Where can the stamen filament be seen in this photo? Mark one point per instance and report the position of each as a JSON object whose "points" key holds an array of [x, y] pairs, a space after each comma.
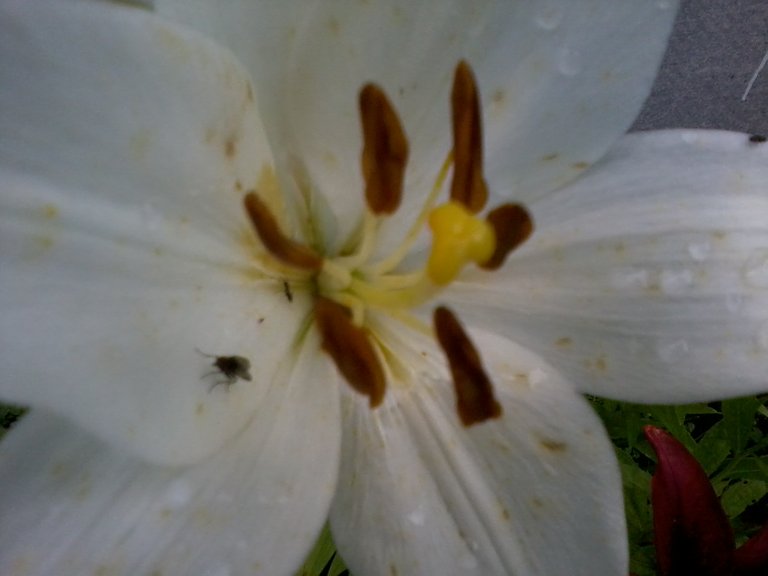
{"points": [[410, 297], [365, 244], [399, 281], [397, 256], [333, 277]]}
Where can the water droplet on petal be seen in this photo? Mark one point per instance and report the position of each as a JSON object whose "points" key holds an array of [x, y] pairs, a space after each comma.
{"points": [[700, 251], [548, 19], [630, 278], [536, 376], [755, 270], [177, 494], [672, 350], [569, 62], [675, 281], [417, 516], [690, 137]]}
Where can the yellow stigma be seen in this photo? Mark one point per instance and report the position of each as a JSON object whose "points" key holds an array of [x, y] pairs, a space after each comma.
{"points": [[459, 237]]}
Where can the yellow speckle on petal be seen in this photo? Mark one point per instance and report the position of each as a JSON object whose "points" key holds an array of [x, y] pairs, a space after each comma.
{"points": [[140, 144], [50, 211], [334, 27]]}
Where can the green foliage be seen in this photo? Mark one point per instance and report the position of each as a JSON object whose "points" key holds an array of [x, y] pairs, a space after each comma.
{"points": [[728, 438], [323, 560]]}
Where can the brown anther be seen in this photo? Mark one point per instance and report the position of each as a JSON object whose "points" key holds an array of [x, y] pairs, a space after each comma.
{"points": [[385, 151], [475, 401], [468, 186], [281, 247], [351, 350], [513, 225]]}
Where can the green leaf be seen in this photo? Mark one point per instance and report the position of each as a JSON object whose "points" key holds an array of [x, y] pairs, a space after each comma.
{"points": [[713, 448], [738, 496], [321, 555], [739, 419]]}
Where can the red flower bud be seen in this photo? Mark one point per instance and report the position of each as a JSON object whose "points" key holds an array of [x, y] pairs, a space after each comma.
{"points": [[692, 532]]}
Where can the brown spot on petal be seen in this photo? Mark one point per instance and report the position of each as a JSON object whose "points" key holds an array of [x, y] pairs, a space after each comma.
{"points": [[230, 147], [553, 446], [468, 186], [513, 225], [351, 350], [475, 400], [280, 246], [385, 151]]}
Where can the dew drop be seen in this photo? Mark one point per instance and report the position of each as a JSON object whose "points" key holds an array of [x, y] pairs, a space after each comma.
{"points": [[178, 494], [549, 19], [700, 251], [536, 376], [569, 62], [755, 270], [630, 278], [690, 137], [417, 516], [675, 281], [671, 350]]}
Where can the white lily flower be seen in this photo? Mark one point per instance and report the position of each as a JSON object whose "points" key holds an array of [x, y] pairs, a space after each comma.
{"points": [[202, 401]]}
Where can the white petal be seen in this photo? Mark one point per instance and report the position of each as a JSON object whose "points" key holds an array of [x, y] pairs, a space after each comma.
{"points": [[72, 505], [111, 100], [123, 242], [647, 280], [561, 80], [261, 33], [536, 492]]}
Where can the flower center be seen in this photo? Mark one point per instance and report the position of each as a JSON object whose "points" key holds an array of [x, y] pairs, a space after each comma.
{"points": [[347, 285]]}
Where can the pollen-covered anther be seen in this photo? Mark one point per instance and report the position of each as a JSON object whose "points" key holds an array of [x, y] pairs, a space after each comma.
{"points": [[280, 246], [512, 225], [385, 151], [475, 400], [351, 350], [468, 186]]}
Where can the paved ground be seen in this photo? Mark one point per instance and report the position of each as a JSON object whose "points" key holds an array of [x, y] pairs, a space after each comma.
{"points": [[716, 47]]}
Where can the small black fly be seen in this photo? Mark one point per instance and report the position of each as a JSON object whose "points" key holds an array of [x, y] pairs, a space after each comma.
{"points": [[232, 368]]}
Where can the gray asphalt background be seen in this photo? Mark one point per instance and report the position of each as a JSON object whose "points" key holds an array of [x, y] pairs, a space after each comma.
{"points": [[715, 48]]}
